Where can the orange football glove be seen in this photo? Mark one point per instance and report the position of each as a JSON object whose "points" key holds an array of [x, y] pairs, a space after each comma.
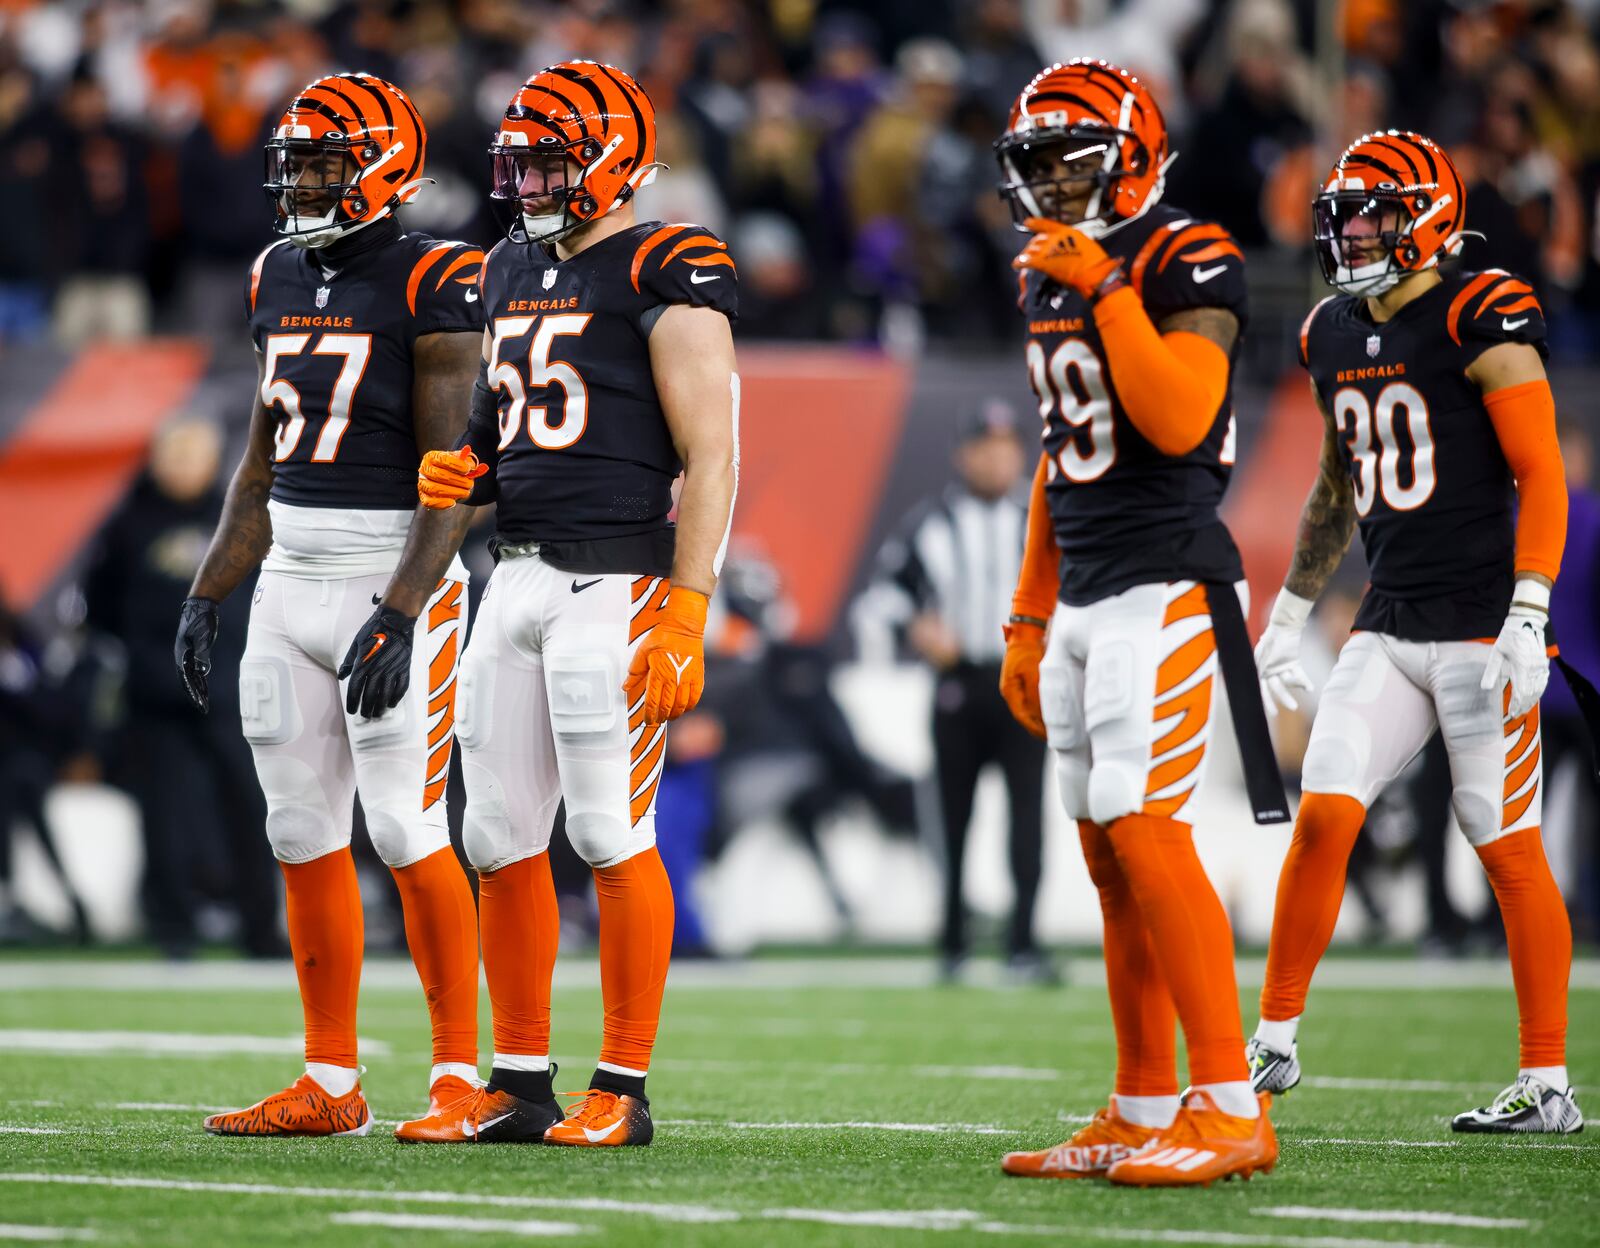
{"points": [[446, 477], [669, 667], [1019, 675], [1067, 255]]}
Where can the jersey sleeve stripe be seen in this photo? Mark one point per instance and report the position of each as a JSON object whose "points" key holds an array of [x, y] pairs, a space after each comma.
{"points": [[255, 270], [1193, 234], [649, 245], [470, 256], [707, 261], [1459, 304], [1526, 303], [1214, 252], [425, 262], [1305, 330], [1142, 260], [1511, 286], [699, 240]]}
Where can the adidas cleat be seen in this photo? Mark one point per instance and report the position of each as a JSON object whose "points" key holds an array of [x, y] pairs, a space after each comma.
{"points": [[1529, 1105], [1270, 1070], [1202, 1145], [604, 1119], [303, 1108], [1091, 1151]]}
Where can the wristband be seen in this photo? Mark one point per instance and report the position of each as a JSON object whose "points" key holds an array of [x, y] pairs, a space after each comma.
{"points": [[1290, 610], [1531, 594], [1028, 619]]}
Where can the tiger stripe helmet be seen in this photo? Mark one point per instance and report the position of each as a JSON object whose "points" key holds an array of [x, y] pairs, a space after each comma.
{"points": [[593, 116], [1393, 204], [347, 151], [1072, 112]]}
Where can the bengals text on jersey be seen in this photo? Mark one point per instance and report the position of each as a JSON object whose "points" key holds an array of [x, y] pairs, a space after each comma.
{"points": [[1126, 514], [1434, 497]]}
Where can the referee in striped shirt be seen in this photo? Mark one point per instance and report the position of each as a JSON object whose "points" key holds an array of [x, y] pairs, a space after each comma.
{"points": [[950, 574]]}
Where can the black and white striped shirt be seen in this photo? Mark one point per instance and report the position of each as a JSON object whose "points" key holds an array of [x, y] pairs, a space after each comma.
{"points": [[959, 558]]}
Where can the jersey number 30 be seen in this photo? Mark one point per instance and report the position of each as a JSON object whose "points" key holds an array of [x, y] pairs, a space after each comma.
{"points": [[506, 376], [1375, 450]]}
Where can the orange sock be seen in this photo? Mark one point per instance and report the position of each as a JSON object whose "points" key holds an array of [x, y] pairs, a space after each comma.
{"points": [[1539, 939], [521, 926], [442, 932], [1141, 1007], [635, 946], [326, 935], [1310, 891], [1189, 933]]}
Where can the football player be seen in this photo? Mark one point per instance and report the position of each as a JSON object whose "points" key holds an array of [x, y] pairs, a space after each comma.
{"points": [[1434, 404], [366, 337], [1134, 313], [607, 369]]}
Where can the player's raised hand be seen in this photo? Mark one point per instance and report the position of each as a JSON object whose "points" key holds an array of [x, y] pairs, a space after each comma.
{"points": [[1520, 656], [378, 664], [669, 667], [1278, 653], [1019, 675], [1067, 255], [197, 631], [445, 477]]}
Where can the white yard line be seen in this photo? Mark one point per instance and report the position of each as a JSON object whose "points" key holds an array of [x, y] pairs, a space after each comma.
{"points": [[431, 1222], [1421, 1217], [1341, 1083], [43, 1234], [932, 1128], [63, 1041], [7, 1130], [1237, 1239]]}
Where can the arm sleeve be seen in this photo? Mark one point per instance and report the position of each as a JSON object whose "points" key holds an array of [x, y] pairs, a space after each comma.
{"points": [[483, 436], [442, 290], [1524, 419], [1039, 582], [1171, 385], [684, 264]]}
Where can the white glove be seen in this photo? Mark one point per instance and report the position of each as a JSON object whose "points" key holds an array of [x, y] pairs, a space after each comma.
{"points": [[1519, 653], [1278, 653]]}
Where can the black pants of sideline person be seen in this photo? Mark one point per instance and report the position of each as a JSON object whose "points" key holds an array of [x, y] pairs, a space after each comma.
{"points": [[972, 728]]}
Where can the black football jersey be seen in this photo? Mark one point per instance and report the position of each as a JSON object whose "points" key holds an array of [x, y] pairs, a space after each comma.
{"points": [[581, 451], [337, 346], [1125, 514], [1435, 499]]}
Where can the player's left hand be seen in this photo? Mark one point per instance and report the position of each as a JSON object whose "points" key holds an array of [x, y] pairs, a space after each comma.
{"points": [[1519, 656], [378, 664], [1067, 255], [669, 667]]}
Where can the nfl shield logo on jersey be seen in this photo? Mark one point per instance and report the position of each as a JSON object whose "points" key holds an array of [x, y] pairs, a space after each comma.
{"points": [[322, 296], [549, 278], [1373, 343]]}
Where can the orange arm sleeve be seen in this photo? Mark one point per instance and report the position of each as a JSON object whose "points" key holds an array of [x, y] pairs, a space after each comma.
{"points": [[1170, 384], [1040, 579], [1524, 419]]}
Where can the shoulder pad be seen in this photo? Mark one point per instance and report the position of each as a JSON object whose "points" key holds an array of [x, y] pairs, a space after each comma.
{"points": [[442, 288], [1493, 307], [1305, 329], [686, 264], [1189, 264], [253, 285]]}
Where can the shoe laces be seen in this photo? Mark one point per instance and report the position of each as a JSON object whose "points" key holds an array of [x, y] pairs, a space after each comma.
{"points": [[1525, 1093], [597, 1103]]}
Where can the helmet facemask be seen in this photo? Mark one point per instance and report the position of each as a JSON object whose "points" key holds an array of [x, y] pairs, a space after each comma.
{"points": [[315, 187], [1363, 240], [544, 184]]}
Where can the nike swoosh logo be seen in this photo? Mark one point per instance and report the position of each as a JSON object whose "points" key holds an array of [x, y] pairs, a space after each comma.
{"points": [[377, 645], [579, 587], [696, 279], [472, 296], [594, 1137], [1205, 275], [468, 1129], [1509, 325]]}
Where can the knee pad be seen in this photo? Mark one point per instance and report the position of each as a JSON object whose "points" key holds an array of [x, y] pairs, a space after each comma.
{"points": [[267, 709], [486, 834], [402, 832], [1331, 765], [301, 825], [603, 840], [1116, 788], [1478, 815], [584, 692]]}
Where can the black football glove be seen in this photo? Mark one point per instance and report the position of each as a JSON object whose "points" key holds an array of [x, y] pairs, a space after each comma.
{"points": [[378, 663], [197, 630]]}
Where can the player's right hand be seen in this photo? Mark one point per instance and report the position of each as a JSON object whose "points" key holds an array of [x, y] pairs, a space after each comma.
{"points": [[1278, 653], [197, 630], [1019, 676], [445, 477]]}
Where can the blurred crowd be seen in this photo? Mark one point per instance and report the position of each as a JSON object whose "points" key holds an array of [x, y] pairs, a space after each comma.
{"points": [[842, 146]]}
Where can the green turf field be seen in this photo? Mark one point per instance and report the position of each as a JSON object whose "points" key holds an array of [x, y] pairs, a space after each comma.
{"points": [[797, 1102]]}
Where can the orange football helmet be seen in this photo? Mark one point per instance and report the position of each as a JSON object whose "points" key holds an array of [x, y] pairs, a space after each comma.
{"points": [[346, 152], [1393, 204], [592, 115], [1086, 127]]}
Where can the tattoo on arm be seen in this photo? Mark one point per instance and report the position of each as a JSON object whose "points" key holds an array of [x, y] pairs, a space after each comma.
{"points": [[1327, 520], [244, 533], [1217, 325]]}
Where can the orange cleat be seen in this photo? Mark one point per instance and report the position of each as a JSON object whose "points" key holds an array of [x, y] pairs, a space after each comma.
{"points": [[1088, 1154], [482, 1116], [603, 1120], [1202, 1145], [449, 1101], [303, 1108]]}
